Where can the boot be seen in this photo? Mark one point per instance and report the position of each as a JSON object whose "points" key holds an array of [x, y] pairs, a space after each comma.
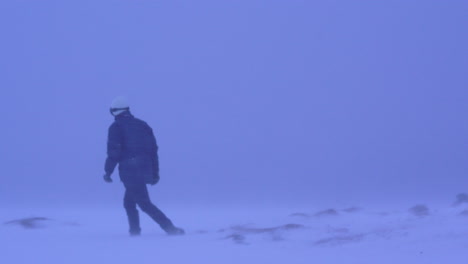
{"points": [[175, 231]]}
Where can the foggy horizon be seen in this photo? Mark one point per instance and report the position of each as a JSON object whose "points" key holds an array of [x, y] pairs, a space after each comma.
{"points": [[251, 102]]}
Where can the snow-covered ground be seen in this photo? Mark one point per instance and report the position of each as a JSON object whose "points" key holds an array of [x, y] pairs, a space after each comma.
{"points": [[238, 235]]}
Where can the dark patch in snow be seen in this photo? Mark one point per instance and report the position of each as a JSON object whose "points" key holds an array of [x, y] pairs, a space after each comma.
{"points": [[388, 232], [419, 210], [461, 198], [29, 223], [300, 215], [328, 212], [352, 210], [277, 237], [239, 233], [237, 238], [464, 213], [253, 230], [340, 240]]}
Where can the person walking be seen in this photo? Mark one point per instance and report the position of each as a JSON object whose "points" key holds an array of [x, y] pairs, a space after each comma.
{"points": [[132, 145]]}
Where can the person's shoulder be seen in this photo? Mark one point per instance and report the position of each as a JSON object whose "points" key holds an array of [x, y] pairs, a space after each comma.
{"points": [[114, 125], [141, 122]]}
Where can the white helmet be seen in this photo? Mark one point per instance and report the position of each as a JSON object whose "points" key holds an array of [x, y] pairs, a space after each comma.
{"points": [[119, 105]]}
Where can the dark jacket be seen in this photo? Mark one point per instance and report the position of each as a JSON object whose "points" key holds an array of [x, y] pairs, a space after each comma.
{"points": [[132, 145]]}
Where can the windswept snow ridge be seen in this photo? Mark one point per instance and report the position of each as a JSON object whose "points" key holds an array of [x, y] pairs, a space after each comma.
{"points": [[409, 235]]}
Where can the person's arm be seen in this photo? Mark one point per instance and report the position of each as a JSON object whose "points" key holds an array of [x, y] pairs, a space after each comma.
{"points": [[114, 148]]}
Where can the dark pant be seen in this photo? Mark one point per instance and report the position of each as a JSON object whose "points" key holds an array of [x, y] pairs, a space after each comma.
{"points": [[137, 194]]}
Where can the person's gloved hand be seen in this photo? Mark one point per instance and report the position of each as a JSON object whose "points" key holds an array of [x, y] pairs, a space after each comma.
{"points": [[107, 178], [155, 179]]}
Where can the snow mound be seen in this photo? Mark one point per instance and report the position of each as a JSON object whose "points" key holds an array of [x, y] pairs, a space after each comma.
{"points": [[419, 210]]}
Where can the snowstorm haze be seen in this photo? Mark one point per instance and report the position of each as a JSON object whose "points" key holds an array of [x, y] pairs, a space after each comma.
{"points": [[299, 102]]}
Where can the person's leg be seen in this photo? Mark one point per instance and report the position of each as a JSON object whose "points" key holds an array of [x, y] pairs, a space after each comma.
{"points": [[132, 213], [145, 204]]}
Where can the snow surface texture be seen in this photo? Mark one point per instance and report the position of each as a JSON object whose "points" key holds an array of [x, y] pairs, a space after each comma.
{"points": [[416, 234]]}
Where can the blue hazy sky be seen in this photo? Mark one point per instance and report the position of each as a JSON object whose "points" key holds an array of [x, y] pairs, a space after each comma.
{"points": [[251, 101]]}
